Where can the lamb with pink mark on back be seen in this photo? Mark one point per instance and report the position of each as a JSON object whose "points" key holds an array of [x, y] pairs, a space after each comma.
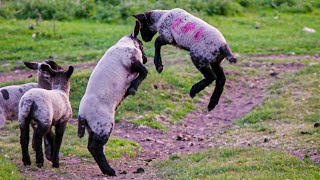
{"points": [[206, 45]]}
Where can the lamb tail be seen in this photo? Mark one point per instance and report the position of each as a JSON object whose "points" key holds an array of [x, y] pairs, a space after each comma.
{"points": [[228, 53], [82, 124], [25, 108]]}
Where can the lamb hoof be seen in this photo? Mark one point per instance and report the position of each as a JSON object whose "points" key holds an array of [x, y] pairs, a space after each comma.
{"points": [[110, 172], [211, 107], [193, 91], [159, 69], [132, 91], [55, 165], [39, 165], [233, 60], [26, 162], [48, 157]]}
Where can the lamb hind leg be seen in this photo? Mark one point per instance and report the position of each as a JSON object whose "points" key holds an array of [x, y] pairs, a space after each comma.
{"points": [[209, 77], [220, 81], [95, 146], [48, 144], [157, 55], [39, 132], [24, 142]]}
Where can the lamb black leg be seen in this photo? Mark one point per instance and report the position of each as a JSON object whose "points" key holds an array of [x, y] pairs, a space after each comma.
{"points": [[220, 81], [24, 142], [95, 146], [209, 77], [48, 144], [39, 132], [139, 68], [157, 56], [59, 129]]}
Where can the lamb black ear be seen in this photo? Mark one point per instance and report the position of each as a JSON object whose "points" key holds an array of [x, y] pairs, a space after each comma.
{"points": [[139, 17], [53, 65], [136, 30], [70, 71], [32, 65], [46, 68]]}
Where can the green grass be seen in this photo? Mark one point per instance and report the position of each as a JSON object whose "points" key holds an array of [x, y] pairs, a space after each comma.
{"points": [[237, 163], [8, 169], [83, 41]]}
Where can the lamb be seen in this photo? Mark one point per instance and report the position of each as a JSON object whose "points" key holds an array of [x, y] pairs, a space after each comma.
{"points": [[205, 43], [11, 95], [46, 108], [118, 74]]}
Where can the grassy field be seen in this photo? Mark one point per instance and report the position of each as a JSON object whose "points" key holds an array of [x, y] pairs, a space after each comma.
{"points": [[292, 104], [83, 41], [237, 163]]}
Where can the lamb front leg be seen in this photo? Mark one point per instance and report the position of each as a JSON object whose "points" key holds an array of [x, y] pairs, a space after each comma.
{"points": [[157, 56], [139, 68]]}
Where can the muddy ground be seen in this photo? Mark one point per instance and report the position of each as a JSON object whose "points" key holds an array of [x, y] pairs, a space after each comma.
{"points": [[195, 132]]}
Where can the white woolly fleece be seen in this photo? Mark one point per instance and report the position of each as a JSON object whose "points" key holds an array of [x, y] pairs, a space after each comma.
{"points": [[108, 84]]}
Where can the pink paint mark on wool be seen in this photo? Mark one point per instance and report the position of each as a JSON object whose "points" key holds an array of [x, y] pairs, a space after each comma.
{"points": [[198, 34], [188, 27], [175, 24]]}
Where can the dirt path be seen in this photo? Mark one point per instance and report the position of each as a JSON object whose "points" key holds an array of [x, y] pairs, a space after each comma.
{"points": [[24, 74], [195, 132]]}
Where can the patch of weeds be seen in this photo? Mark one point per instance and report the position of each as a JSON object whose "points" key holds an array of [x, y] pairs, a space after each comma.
{"points": [[8, 169], [246, 163], [174, 156], [117, 147], [313, 117], [148, 121]]}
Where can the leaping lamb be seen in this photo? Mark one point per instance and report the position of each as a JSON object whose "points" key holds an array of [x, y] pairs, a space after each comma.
{"points": [[206, 45], [118, 74]]}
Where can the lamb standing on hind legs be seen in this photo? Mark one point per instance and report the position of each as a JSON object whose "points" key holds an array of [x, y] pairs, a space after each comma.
{"points": [[46, 108], [205, 43], [118, 74]]}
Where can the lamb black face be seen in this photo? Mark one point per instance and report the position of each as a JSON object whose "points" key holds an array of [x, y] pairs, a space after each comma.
{"points": [[146, 33]]}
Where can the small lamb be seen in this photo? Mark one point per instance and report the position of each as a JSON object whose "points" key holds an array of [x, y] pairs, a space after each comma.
{"points": [[46, 108], [11, 95], [118, 74], [205, 43]]}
